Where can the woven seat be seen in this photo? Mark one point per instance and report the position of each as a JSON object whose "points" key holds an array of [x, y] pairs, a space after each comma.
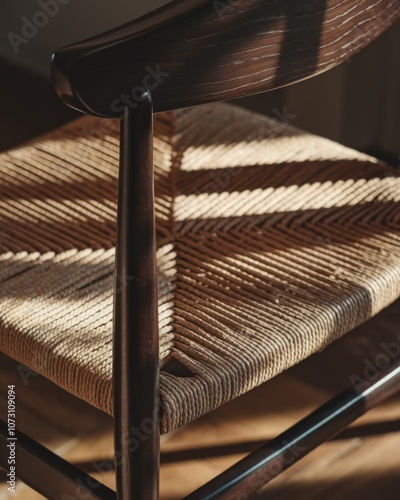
{"points": [[271, 244]]}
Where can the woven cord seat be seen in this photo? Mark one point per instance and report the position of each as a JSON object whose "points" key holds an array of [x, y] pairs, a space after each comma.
{"points": [[272, 243]]}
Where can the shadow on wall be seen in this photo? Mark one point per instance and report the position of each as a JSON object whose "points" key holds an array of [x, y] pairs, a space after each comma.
{"points": [[356, 103], [30, 31]]}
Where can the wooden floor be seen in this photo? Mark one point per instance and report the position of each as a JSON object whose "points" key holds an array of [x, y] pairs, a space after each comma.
{"points": [[361, 463]]}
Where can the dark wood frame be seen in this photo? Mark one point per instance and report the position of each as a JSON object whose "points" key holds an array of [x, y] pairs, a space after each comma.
{"points": [[95, 76], [196, 51]]}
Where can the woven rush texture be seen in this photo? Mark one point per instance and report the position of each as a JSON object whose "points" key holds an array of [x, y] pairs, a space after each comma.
{"points": [[271, 244]]}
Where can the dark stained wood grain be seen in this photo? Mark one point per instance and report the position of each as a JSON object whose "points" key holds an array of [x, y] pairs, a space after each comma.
{"points": [[136, 337], [195, 52]]}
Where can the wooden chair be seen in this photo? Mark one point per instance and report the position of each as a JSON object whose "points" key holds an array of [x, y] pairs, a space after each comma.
{"points": [[249, 246]]}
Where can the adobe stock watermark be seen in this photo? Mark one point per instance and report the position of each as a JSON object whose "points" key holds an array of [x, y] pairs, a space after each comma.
{"points": [[152, 79], [104, 129], [120, 282], [265, 474], [224, 7], [26, 373], [220, 179], [367, 33], [30, 27], [133, 439], [373, 369]]}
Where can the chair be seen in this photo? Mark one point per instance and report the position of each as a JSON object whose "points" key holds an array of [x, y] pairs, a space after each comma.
{"points": [[249, 246]]}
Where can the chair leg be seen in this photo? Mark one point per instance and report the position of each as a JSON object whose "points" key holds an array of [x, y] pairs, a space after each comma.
{"points": [[258, 468], [45, 472], [136, 344]]}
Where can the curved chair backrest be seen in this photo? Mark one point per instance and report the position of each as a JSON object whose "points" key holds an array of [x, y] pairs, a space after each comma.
{"points": [[196, 51]]}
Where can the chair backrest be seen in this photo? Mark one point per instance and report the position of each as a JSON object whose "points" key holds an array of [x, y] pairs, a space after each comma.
{"points": [[196, 51]]}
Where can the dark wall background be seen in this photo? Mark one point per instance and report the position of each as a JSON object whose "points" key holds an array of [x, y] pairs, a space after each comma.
{"points": [[357, 103]]}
